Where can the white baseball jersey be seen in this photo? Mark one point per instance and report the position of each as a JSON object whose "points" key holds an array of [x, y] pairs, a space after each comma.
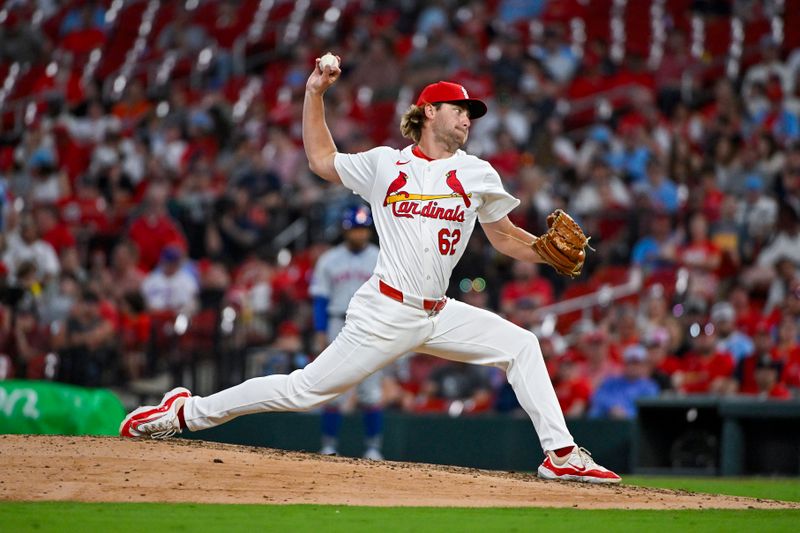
{"points": [[424, 210], [339, 273]]}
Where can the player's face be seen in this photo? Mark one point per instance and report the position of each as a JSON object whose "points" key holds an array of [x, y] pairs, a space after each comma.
{"points": [[357, 238], [451, 125]]}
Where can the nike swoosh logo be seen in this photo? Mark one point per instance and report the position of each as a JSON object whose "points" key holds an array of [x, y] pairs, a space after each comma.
{"points": [[402, 163]]}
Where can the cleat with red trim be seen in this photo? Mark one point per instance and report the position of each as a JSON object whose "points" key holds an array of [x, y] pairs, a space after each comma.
{"points": [[156, 421], [577, 466]]}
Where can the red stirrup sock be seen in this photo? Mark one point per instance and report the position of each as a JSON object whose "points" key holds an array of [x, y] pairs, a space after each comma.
{"points": [[180, 418], [561, 452]]}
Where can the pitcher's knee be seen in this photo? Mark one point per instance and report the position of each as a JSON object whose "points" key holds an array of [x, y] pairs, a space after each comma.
{"points": [[529, 346], [299, 395], [308, 401], [306, 396]]}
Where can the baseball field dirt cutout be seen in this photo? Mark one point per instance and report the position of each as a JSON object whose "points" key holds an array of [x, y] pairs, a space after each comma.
{"points": [[110, 469]]}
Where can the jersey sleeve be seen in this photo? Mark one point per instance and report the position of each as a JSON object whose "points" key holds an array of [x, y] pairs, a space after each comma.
{"points": [[320, 280], [495, 201], [358, 171]]}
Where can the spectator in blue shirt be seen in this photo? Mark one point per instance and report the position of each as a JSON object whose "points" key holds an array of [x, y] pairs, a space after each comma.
{"points": [[774, 116], [631, 157], [729, 338], [657, 248], [616, 396], [658, 189]]}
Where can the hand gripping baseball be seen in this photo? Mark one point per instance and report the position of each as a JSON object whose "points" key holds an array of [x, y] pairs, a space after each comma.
{"points": [[326, 72], [564, 245]]}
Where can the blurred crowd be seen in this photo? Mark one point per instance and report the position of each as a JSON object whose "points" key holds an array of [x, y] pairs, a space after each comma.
{"points": [[155, 224]]}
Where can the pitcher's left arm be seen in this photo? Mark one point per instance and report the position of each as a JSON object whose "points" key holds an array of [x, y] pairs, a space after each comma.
{"points": [[511, 240]]}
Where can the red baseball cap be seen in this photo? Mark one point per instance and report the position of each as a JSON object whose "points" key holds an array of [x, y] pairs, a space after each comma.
{"points": [[446, 91]]}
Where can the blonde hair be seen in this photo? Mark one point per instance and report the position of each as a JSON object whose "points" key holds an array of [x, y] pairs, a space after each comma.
{"points": [[412, 122]]}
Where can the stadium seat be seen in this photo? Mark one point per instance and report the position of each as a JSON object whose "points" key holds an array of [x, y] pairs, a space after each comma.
{"points": [[121, 39], [638, 27], [573, 290], [791, 21]]}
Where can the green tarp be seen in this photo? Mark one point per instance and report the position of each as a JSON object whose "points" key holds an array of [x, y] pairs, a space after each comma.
{"points": [[46, 408]]}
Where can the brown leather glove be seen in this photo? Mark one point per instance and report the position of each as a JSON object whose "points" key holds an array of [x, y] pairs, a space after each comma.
{"points": [[563, 246]]}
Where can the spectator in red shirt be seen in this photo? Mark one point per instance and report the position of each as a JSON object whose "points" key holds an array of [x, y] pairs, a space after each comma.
{"points": [[787, 351], [134, 334], [701, 257], [748, 314], [705, 370], [710, 197], [86, 211], [507, 158], [53, 230], [590, 81], [572, 389], [764, 347], [767, 379], [787, 344], [526, 284], [791, 372], [154, 229]]}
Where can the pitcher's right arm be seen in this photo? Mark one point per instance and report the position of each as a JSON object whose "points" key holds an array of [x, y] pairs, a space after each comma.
{"points": [[317, 139]]}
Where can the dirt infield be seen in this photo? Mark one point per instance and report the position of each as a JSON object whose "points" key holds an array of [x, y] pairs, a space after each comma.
{"points": [[112, 469]]}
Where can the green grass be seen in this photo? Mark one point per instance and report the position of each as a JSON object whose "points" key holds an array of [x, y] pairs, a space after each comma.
{"points": [[151, 517], [786, 489], [66, 517], [81, 517]]}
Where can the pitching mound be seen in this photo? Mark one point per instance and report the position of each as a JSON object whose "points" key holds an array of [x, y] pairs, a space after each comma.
{"points": [[120, 470]]}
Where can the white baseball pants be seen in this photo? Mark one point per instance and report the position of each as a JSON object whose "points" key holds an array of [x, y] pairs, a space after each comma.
{"points": [[370, 391], [378, 330]]}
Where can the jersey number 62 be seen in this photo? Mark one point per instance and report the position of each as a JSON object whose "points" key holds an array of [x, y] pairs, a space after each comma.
{"points": [[448, 241]]}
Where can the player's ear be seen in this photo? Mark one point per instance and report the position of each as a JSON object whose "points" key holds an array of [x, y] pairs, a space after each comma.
{"points": [[430, 110]]}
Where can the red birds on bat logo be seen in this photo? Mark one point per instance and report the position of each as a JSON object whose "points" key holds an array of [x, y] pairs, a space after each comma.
{"points": [[410, 205], [456, 187]]}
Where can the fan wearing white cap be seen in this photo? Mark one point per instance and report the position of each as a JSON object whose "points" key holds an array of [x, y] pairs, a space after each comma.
{"points": [[729, 338], [426, 199]]}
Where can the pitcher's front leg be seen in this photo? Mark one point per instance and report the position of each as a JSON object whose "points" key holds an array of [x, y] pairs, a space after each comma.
{"points": [[348, 360]]}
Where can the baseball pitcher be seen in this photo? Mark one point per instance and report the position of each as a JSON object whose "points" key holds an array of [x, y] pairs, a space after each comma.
{"points": [[426, 199]]}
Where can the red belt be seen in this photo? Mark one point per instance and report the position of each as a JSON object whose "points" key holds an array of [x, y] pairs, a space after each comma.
{"points": [[432, 306]]}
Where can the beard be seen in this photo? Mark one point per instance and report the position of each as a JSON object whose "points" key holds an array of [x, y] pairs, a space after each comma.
{"points": [[453, 139]]}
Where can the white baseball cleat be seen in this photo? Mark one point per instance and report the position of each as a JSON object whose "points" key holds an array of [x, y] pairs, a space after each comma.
{"points": [[577, 466], [156, 421], [373, 454], [328, 450]]}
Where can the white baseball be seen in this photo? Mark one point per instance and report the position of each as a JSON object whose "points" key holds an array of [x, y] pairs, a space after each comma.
{"points": [[328, 60]]}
